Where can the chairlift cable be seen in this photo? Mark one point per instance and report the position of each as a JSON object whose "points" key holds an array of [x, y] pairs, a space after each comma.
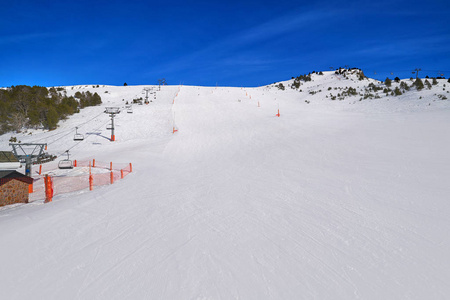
{"points": [[73, 129], [76, 144], [69, 131]]}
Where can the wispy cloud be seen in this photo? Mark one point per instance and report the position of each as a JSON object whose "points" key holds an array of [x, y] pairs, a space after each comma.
{"points": [[219, 51], [407, 46]]}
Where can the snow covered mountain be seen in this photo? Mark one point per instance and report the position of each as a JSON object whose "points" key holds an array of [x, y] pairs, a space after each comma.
{"points": [[334, 199]]}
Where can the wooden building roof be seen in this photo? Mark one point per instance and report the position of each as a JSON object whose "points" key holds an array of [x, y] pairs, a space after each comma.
{"points": [[8, 175]]}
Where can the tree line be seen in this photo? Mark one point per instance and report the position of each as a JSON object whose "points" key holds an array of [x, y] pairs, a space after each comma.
{"points": [[23, 106]]}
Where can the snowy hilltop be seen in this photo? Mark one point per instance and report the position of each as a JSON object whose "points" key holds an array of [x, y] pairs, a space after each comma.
{"points": [[329, 185]]}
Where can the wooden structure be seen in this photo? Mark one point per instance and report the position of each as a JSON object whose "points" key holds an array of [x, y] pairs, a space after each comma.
{"points": [[14, 187]]}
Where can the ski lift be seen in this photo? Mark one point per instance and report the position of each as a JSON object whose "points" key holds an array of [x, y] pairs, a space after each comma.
{"points": [[78, 136], [65, 163]]}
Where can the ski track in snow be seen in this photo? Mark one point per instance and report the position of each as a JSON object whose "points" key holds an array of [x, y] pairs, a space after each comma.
{"points": [[333, 200]]}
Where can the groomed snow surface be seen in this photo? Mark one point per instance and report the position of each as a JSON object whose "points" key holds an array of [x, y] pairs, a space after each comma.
{"points": [[331, 200]]}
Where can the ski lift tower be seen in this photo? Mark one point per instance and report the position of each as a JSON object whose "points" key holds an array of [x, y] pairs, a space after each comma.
{"points": [[146, 95], [28, 153], [112, 111], [161, 82]]}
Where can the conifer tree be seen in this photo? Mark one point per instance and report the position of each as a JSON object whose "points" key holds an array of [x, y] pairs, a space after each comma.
{"points": [[418, 84], [387, 82]]}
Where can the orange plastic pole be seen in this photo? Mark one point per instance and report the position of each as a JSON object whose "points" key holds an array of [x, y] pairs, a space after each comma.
{"points": [[131, 168], [91, 183], [93, 163], [48, 189], [75, 163], [30, 188], [113, 138], [174, 130], [110, 166], [112, 178], [121, 174], [40, 169], [278, 114]]}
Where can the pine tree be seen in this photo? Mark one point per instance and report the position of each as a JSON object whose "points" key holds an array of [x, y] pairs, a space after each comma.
{"points": [[51, 118], [387, 82], [418, 84]]}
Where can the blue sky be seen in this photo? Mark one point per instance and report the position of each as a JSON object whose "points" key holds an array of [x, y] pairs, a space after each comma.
{"points": [[229, 43]]}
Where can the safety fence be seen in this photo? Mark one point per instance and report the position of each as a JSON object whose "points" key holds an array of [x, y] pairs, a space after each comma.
{"points": [[85, 175]]}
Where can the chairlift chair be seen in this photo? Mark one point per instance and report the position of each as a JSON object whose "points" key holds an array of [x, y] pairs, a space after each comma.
{"points": [[78, 136], [65, 163]]}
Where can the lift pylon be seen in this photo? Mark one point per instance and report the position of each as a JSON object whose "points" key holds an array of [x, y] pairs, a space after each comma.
{"points": [[28, 153], [146, 95], [112, 111]]}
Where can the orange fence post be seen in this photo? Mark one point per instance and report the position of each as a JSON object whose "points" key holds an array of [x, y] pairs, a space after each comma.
{"points": [[131, 168], [50, 187], [93, 163], [75, 163], [91, 183], [121, 174], [40, 169], [48, 182], [112, 177]]}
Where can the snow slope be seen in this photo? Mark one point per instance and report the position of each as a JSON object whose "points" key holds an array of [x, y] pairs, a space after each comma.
{"points": [[332, 200]]}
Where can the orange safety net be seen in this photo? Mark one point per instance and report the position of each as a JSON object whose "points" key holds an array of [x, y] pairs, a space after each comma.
{"points": [[68, 184]]}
